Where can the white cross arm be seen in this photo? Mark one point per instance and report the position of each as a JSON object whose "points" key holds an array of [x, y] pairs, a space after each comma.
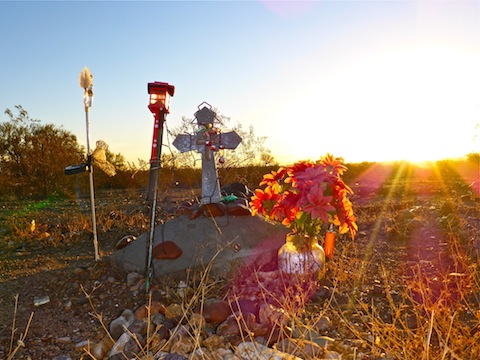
{"points": [[187, 142]]}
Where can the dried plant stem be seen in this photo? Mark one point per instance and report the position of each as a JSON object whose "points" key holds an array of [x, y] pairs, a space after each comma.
{"points": [[429, 337], [21, 341]]}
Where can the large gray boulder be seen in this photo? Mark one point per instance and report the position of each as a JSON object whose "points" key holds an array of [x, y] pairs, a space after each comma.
{"points": [[228, 242]]}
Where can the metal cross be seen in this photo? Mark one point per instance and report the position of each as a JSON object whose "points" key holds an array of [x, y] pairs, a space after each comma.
{"points": [[206, 141]]}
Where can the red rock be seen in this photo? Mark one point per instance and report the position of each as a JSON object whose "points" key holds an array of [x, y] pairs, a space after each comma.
{"points": [[229, 329], [238, 209], [216, 311], [156, 307], [213, 210], [183, 210], [167, 250]]}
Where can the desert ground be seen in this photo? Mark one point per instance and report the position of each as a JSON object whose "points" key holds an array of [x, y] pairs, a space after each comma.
{"points": [[407, 287]]}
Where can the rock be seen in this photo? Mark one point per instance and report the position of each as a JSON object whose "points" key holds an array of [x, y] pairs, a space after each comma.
{"points": [[78, 271], [184, 209], [244, 306], [68, 305], [301, 348], [167, 250], [119, 346], [215, 311], [120, 324], [238, 210], [62, 357], [82, 345], [167, 356], [323, 293], [200, 240], [64, 340], [229, 329], [323, 324], [250, 350], [41, 300], [125, 241], [214, 342], [269, 314], [197, 322], [173, 311], [332, 355], [138, 327], [101, 349], [183, 345], [156, 307], [133, 278], [213, 209]]}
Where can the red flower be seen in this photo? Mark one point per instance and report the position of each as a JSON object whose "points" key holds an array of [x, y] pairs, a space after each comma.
{"points": [[306, 195]]}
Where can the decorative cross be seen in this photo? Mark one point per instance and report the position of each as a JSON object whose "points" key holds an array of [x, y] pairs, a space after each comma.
{"points": [[206, 141]]}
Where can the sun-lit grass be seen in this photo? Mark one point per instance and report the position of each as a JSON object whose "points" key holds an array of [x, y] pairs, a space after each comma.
{"points": [[408, 287]]}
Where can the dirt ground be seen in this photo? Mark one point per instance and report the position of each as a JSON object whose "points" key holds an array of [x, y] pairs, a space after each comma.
{"points": [[402, 225]]}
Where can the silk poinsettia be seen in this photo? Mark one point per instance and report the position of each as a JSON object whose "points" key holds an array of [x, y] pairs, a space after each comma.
{"points": [[307, 195]]}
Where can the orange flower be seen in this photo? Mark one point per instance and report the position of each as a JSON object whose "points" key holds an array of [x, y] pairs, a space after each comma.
{"points": [[307, 195]]}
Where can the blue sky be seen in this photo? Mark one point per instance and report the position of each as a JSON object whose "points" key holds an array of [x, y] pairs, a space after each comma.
{"points": [[365, 80]]}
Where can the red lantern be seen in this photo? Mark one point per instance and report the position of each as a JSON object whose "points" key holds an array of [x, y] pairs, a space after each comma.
{"points": [[160, 94]]}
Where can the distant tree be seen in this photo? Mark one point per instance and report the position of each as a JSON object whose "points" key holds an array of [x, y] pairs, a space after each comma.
{"points": [[33, 156], [251, 151]]}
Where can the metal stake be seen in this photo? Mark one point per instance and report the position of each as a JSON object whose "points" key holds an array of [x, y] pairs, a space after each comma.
{"points": [[154, 173]]}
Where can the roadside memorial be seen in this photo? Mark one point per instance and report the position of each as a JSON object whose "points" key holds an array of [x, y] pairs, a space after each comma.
{"points": [[208, 140]]}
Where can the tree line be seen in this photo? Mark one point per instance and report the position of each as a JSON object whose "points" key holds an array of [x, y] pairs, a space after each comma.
{"points": [[33, 157]]}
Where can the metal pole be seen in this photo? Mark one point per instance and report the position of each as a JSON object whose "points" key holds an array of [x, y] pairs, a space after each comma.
{"points": [[92, 190], [154, 173]]}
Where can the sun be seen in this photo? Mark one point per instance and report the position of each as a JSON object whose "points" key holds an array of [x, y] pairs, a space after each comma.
{"points": [[415, 103]]}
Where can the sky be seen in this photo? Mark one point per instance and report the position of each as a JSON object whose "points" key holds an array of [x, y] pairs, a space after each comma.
{"points": [[363, 80]]}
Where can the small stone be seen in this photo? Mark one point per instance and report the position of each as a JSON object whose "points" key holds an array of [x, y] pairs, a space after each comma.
{"points": [[332, 355], [42, 300], [169, 356], [215, 311], [78, 271], [269, 314], [244, 306], [197, 322], [323, 293], [323, 324], [250, 350], [214, 342], [82, 345], [183, 209], [138, 327], [229, 329], [133, 278], [100, 349], [120, 324], [144, 311], [172, 311], [119, 346], [183, 345], [125, 241], [64, 340]]}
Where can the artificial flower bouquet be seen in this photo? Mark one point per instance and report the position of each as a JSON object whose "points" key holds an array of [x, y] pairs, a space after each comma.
{"points": [[306, 196]]}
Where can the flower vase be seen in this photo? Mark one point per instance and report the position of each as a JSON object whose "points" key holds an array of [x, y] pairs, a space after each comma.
{"points": [[301, 255]]}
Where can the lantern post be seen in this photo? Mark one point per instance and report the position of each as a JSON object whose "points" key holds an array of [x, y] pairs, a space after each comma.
{"points": [[159, 105]]}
